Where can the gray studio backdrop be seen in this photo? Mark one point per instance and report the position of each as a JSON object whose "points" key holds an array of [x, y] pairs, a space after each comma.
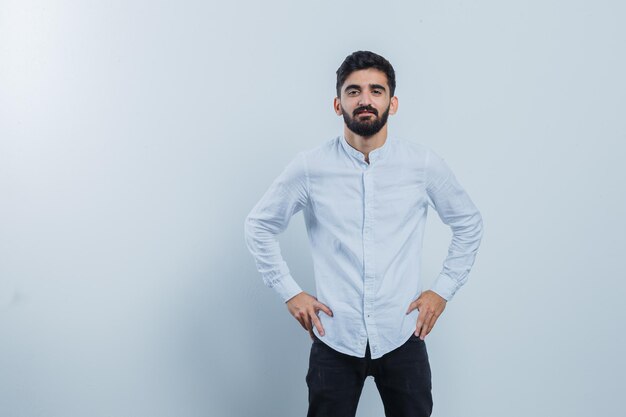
{"points": [[135, 136]]}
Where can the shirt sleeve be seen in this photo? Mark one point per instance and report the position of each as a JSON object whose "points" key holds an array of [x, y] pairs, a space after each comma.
{"points": [[456, 209], [286, 196]]}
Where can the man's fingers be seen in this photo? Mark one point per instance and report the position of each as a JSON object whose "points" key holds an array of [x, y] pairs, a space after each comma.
{"points": [[324, 308], [303, 324], [422, 323], [304, 320], [430, 306], [433, 320], [411, 308], [428, 327], [318, 324], [309, 324], [414, 305], [425, 328], [301, 320], [429, 323], [305, 309]]}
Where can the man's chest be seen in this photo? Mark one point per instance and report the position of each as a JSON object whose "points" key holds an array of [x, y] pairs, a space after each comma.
{"points": [[351, 196]]}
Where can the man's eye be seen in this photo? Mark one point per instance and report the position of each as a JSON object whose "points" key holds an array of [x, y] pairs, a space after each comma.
{"points": [[377, 92], [352, 92]]}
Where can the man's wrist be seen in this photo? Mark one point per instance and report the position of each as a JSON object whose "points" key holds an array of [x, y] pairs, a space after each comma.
{"points": [[294, 296], [445, 287], [287, 287]]}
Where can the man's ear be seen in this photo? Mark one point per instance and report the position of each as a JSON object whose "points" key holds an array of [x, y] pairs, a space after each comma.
{"points": [[337, 106], [393, 105]]}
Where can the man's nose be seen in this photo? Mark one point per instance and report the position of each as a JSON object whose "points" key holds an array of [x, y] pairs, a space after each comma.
{"points": [[365, 98]]}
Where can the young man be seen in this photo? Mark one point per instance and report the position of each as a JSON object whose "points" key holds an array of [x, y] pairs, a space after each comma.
{"points": [[365, 197]]}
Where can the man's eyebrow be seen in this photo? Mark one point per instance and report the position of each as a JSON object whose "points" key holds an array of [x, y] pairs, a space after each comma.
{"points": [[377, 86], [358, 87]]}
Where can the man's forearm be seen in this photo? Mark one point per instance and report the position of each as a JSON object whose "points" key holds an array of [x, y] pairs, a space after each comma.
{"points": [[264, 247]]}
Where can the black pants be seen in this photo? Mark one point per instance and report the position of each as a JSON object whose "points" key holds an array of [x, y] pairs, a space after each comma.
{"points": [[402, 376]]}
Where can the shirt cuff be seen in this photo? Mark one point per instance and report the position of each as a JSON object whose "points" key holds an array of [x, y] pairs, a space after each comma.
{"points": [[445, 287], [286, 287]]}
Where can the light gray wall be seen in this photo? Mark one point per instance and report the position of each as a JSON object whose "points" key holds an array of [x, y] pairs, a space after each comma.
{"points": [[135, 136]]}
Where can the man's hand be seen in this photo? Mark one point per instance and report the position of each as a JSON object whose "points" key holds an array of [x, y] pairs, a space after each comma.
{"points": [[304, 308], [430, 306]]}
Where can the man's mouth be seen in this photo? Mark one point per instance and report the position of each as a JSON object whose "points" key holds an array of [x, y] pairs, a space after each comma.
{"points": [[364, 112]]}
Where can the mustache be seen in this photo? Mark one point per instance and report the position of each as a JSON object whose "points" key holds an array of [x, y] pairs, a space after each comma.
{"points": [[365, 108]]}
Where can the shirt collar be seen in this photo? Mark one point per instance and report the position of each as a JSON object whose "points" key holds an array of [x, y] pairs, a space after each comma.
{"points": [[374, 155]]}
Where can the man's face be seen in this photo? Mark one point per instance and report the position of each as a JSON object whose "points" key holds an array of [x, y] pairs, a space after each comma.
{"points": [[365, 102]]}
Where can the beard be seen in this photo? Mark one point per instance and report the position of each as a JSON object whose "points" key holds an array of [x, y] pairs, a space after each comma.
{"points": [[367, 127]]}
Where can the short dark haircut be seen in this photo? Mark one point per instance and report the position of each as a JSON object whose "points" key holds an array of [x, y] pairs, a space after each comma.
{"points": [[360, 60]]}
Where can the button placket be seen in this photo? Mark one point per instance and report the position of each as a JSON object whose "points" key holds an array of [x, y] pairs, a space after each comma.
{"points": [[369, 261]]}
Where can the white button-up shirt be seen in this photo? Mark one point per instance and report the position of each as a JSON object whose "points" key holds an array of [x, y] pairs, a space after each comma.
{"points": [[365, 224]]}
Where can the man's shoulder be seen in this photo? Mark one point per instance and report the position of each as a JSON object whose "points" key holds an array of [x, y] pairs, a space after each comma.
{"points": [[320, 151], [326, 146], [411, 148]]}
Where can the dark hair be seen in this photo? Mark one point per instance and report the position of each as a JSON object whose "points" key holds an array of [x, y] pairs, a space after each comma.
{"points": [[360, 60]]}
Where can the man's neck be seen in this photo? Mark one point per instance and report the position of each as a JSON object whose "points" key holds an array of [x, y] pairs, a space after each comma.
{"points": [[364, 144]]}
